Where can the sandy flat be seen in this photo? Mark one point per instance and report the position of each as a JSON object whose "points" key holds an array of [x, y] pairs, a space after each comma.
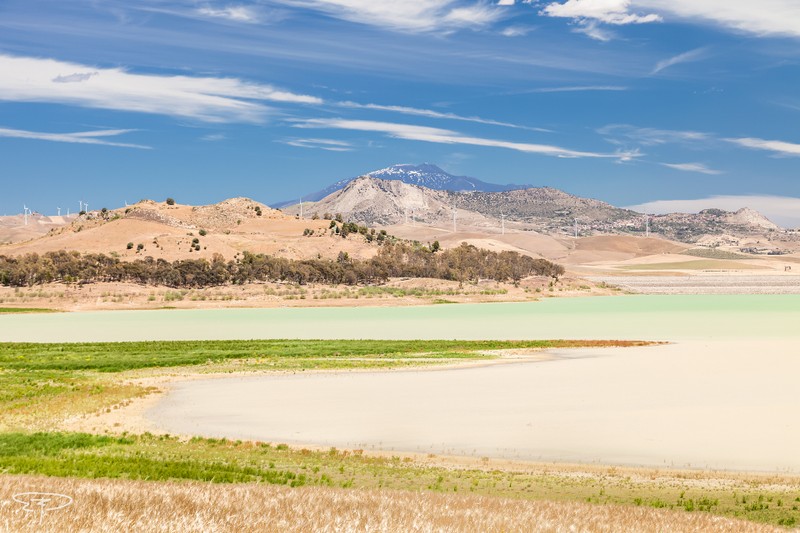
{"points": [[697, 404]]}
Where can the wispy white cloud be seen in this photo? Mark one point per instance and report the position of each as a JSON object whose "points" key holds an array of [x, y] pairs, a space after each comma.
{"points": [[208, 99], [778, 147], [593, 29], [686, 57], [81, 137], [331, 145], [692, 167], [517, 31], [590, 16], [619, 133], [434, 114], [233, 13], [578, 88], [230, 14], [505, 2], [442, 136], [213, 137], [615, 12], [413, 16], [783, 210], [765, 17]]}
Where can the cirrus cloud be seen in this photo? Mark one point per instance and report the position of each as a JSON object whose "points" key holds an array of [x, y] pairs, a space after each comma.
{"points": [[442, 136], [207, 99], [692, 167], [81, 137], [782, 148], [411, 16]]}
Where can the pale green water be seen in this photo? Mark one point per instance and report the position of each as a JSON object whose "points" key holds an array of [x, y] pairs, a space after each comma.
{"points": [[622, 317]]}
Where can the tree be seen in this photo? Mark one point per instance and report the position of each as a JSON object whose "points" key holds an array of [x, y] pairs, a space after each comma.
{"points": [[170, 201]]}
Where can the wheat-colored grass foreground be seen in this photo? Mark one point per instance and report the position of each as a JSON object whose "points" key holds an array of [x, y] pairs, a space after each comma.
{"points": [[122, 505]]}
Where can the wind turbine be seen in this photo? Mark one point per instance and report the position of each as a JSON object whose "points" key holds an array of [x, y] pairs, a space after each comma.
{"points": [[503, 222], [59, 211], [25, 213], [301, 207], [647, 226], [575, 241], [454, 217]]}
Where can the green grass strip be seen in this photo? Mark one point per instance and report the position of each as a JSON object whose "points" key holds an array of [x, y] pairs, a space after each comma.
{"points": [[121, 356], [10, 310]]}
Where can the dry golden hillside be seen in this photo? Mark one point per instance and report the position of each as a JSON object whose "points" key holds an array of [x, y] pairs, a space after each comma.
{"points": [[168, 232]]}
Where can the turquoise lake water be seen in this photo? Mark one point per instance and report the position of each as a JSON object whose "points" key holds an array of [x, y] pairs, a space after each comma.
{"points": [[647, 317]]}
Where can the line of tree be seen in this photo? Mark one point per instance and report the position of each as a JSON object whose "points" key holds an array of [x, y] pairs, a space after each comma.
{"points": [[464, 263]]}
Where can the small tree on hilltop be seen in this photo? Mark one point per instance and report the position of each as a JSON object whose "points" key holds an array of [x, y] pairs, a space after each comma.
{"points": [[170, 201]]}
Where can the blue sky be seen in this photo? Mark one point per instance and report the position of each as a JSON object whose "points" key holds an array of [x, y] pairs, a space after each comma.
{"points": [[628, 101]]}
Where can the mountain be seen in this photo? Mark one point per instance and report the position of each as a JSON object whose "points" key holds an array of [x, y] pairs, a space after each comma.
{"points": [[374, 200], [386, 202], [542, 209], [433, 177], [425, 175]]}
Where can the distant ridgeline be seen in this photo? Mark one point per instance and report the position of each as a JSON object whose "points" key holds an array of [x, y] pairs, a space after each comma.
{"points": [[464, 263]]}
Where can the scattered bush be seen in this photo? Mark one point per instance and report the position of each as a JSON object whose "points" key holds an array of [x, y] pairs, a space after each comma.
{"points": [[170, 201]]}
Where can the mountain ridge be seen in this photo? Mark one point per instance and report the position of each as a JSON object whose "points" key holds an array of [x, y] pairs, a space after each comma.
{"points": [[542, 209], [426, 175]]}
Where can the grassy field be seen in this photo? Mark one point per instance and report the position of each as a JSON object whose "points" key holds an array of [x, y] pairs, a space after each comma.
{"points": [[699, 264], [41, 385], [277, 354], [9, 310], [165, 458], [714, 253]]}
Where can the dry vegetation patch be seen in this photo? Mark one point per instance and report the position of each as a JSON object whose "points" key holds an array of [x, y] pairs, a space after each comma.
{"points": [[123, 505]]}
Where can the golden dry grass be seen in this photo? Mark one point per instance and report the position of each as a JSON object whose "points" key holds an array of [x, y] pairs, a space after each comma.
{"points": [[122, 505]]}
